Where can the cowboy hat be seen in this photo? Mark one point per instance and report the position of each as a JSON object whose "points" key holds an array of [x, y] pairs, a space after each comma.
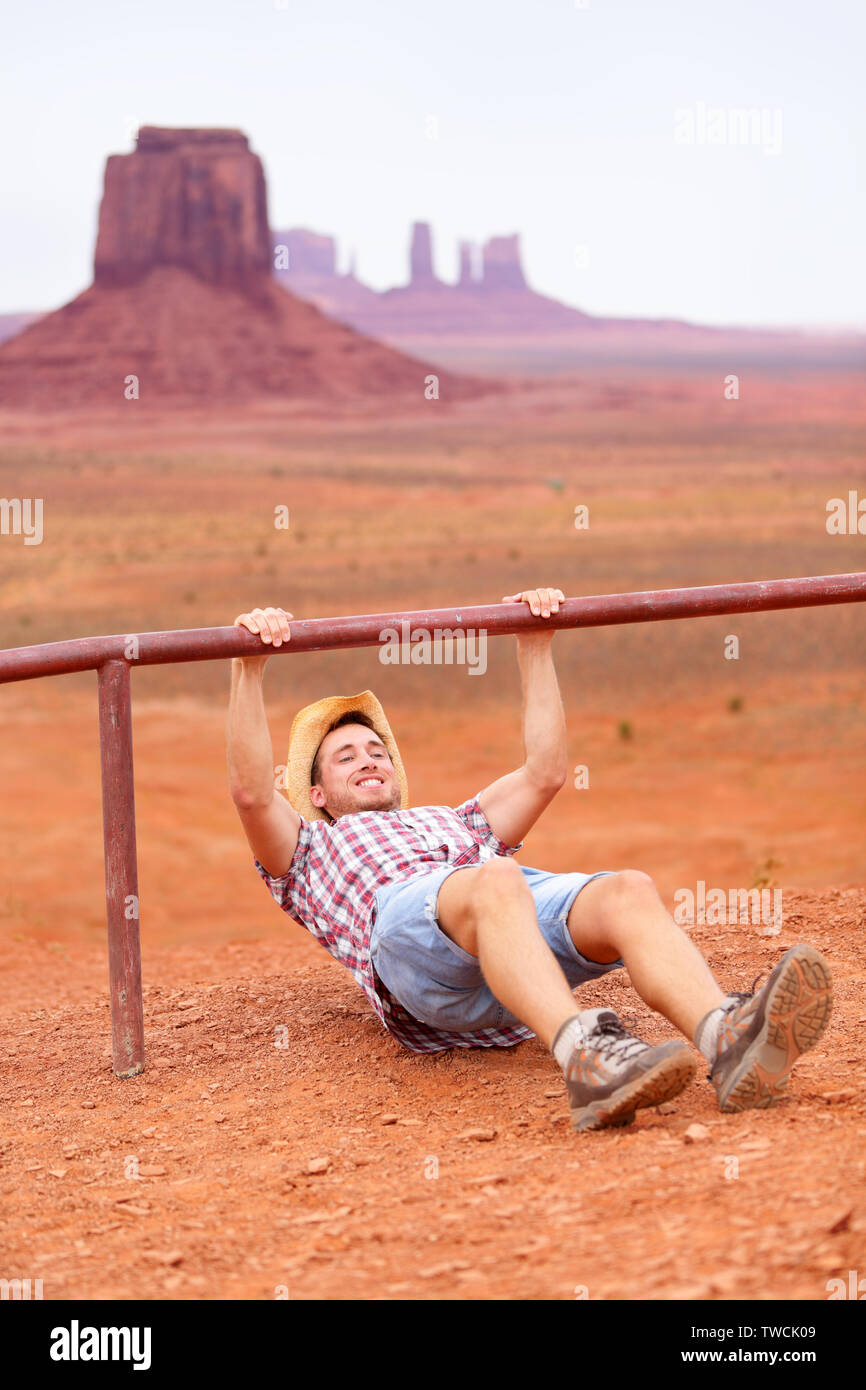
{"points": [[309, 728]]}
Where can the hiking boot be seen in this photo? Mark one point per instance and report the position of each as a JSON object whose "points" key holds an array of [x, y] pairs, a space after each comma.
{"points": [[614, 1073], [763, 1034]]}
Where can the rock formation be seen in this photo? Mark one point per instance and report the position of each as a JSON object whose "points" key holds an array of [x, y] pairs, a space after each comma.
{"points": [[190, 299], [495, 321], [502, 268], [311, 273], [189, 198], [421, 275], [10, 324], [466, 277], [184, 305], [498, 301], [308, 253]]}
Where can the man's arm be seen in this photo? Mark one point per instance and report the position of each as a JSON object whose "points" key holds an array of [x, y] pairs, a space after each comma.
{"points": [[514, 802], [271, 823]]}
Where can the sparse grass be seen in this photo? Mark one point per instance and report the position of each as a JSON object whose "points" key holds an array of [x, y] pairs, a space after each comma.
{"points": [[401, 504], [763, 876]]}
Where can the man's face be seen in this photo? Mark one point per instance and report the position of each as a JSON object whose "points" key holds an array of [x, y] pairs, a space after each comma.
{"points": [[355, 773]]}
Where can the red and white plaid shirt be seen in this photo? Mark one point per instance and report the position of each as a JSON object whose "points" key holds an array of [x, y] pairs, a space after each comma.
{"points": [[336, 869]]}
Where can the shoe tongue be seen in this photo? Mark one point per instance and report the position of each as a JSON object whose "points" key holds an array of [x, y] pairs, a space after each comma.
{"points": [[593, 1018]]}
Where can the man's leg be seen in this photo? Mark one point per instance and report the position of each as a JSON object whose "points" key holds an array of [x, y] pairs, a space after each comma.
{"points": [[751, 1041], [489, 911], [623, 915]]}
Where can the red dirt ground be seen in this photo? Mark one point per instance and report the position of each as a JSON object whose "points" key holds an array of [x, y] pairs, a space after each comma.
{"points": [[224, 1124], [732, 771]]}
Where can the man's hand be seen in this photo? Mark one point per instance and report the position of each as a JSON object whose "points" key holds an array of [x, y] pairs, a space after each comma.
{"points": [[542, 603], [271, 624]]}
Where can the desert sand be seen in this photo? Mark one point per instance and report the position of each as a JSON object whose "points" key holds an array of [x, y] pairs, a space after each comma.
{"points": [[700, 768]]}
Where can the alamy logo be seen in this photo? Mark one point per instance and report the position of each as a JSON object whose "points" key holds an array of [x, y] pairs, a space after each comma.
{"points": [[856, 1288], [424, 648], [76, 1343], [20, 1288], [760, 126], [715, 907], [846, 519], [22, 516]]}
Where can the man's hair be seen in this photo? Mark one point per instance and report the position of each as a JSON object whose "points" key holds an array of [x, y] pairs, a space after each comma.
{"points": [[354, 716]]}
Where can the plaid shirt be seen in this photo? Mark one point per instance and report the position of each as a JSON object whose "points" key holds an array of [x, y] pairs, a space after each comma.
{"points": [[336, 869]]}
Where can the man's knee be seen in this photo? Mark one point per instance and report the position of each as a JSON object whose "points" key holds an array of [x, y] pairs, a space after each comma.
{"points": [[633, 881], [493, 880], [468, 898], [500, 871], [614, 895]]}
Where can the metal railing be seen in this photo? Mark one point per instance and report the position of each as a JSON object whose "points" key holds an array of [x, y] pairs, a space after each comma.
{"points": [[113, 657]]}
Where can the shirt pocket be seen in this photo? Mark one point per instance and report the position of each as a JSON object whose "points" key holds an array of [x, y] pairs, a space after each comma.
{"points": [[416, 840]]}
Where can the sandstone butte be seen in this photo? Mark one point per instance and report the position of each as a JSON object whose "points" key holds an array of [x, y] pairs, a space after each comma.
{"points": [[492, 315], [184, 300]]}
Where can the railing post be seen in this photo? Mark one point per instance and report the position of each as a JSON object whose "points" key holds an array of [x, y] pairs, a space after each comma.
{"points": [[121, 868]]}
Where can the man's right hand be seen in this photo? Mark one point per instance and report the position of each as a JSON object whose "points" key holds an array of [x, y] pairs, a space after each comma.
{"points": [[271, 624]]}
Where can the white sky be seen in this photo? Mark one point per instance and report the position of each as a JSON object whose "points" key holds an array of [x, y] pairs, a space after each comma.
{"points": [[554, 120]]}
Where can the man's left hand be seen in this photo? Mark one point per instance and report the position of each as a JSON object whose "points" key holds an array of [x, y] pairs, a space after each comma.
{"points": [[542, 602]]}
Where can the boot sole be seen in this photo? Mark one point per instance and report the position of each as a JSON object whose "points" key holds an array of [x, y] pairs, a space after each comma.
{"points": [[669, 1076], [796, 1013]]}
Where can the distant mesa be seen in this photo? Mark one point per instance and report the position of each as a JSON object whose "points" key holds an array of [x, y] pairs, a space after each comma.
{"points": [[421, 257], [184, 299], [502, 268], [312, 274], [197, 298], [490, 296], [491, 319], [467, 268]]}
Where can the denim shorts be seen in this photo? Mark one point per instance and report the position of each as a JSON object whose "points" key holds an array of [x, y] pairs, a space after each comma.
{"points": [[435, 979]]}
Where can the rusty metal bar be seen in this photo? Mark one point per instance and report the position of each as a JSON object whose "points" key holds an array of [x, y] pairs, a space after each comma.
{"points": [[327, 634], [121, 869]]}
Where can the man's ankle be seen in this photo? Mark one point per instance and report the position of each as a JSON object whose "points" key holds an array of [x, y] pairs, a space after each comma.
{"points": [[570, 1034]]}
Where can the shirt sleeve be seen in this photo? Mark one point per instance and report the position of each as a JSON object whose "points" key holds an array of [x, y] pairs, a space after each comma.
{"points": [[471, 813], [281, 888]]}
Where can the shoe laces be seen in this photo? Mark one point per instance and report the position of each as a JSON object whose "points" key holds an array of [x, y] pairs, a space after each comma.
{"points": [[737, 997], [616, 1040]]}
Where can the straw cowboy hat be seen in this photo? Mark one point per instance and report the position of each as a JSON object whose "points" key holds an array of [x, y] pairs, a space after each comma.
{"points": [[309, 728]]}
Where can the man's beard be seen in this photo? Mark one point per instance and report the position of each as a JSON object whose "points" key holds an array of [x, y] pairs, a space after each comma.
{"points": [[341, 804]]}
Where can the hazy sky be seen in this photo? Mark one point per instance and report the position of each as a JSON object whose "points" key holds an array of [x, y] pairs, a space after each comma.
{"points": [[605, 133]]}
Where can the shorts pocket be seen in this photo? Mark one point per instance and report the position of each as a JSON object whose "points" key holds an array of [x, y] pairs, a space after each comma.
{"points": [[442, 938]]}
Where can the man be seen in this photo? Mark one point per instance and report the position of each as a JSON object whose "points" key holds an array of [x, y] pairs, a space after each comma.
{"points": [[455, 944]]}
